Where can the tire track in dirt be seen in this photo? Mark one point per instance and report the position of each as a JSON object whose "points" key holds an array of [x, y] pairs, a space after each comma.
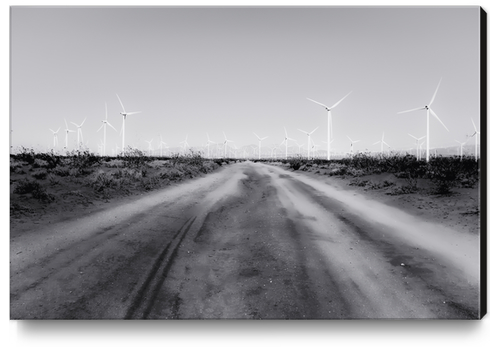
{"points": [[96, 273], [427, 286], [145, 295], [248, 260]]}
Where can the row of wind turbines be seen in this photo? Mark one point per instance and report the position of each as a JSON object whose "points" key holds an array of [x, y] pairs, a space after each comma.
{"points": [[310, 143]]}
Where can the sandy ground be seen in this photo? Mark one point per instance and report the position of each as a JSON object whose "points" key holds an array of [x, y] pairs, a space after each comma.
{"points": [[248, 241]]}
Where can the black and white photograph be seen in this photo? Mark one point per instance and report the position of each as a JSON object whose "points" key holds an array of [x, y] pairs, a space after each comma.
{"points": [[247, 163]]}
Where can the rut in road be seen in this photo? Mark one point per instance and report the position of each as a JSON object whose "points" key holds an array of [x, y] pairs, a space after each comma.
{"points": [[92, 267], [283, 249]]}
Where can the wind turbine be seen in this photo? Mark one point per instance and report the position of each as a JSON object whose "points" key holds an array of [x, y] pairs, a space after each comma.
{"points": [[149, 146], [208, 144], [105, 123], [382, 143], [314, 147], [286, 138], [475, 134], [309, 135], [224, 144], [55, 137], [124, 114], [260, 141], [161, 145], [66, 134], [352, 145], [417, 145], [461, 149], [329, 121], [184, 143], [299, 147], [79, 132], [429, 111]]}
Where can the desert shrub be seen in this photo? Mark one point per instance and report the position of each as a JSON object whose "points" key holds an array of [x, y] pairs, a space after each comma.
{"points": [[134, 158], [40, 174], [149, 183], [443, 172], [61, 171], [40, 163], [27, 155], [50, 160], [296, 163], [114, 163], [53, 180], [358, 182], [37, 191], [26, 186], [82, 161], [16, 166], [103, 180]]}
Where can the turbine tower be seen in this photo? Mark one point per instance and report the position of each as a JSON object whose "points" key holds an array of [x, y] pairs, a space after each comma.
{"points": [[149, 147], [161, 145], [352, 145], [418, 148], [184, 143], [382, 143], [461, 149], [105, 123], [329, 121], [286, 138], [260, 141], [79, 132], [309, 135], [429, 111], [225, 144], [208, 144], [66, 134], [123, 129], [475, 134], [55, 137]]}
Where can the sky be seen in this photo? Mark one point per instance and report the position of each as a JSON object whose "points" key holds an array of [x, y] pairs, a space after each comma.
{"points": [[207, 70]]}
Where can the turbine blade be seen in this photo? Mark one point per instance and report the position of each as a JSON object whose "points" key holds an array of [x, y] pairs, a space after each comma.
{"points": [[66, 124], [338, 102], [413, 136], [474, 126], [434, 96], [350, 139], [356, 141], [303, 131], [313, 130], [133, 112], [100, 127], [415, 109], [83, 121], [376, 143], [435, 115], [121, 103], [257, 136], [106, 111], [319, 103], [74, 124], [109, 124]]}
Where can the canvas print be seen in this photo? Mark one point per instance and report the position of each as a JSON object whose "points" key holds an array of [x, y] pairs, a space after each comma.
{"points": [[247, 163]]}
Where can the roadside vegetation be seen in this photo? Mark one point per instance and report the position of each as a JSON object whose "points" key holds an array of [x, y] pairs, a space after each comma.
{"points": [[39, 181], [443, 173]]}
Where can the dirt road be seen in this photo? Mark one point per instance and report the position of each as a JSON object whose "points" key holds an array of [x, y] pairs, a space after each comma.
{"points": [[249, 241]]}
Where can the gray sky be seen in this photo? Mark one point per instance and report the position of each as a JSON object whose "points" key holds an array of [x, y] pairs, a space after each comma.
{"points": [[243, 70]]}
